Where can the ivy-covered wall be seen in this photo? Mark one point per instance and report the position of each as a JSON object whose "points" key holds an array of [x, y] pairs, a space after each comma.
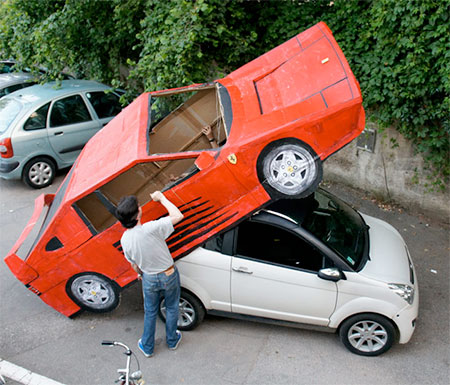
{"points": [[399, 50]]}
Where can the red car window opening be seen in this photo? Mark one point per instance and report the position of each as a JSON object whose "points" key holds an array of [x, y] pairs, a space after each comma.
{"points": [[140, 180], [177, 121]]}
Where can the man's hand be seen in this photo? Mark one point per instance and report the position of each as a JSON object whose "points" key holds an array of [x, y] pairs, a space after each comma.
{"points": [[207, 132], [157, 196], [174, 213], [137, 270]]}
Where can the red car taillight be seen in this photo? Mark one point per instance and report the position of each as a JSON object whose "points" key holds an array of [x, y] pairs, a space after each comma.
{"points": [[6, 149]]}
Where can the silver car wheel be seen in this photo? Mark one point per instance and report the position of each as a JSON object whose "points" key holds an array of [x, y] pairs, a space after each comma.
{"points": [[186, 314], [367, 336], [40, 173], [93, 292], [290, 169]]}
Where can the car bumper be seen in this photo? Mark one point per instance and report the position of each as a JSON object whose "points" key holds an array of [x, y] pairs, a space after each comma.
{"points": [[406, 319], [9, 169]]}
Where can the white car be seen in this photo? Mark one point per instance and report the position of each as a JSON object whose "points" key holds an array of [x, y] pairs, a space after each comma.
{"points": [[312, 262]]}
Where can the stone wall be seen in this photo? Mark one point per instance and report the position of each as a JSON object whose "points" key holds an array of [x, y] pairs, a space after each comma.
{"points": [[392, 172]]}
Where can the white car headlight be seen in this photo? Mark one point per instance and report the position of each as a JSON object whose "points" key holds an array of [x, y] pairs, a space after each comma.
{"points": [[404, 291]]}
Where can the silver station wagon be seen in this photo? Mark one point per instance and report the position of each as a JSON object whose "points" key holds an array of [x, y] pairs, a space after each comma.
{"points": [[43, 128], [15, 81]]}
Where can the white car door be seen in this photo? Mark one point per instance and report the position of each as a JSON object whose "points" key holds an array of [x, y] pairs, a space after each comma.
{"points": [[206, 273], [274, 275]]}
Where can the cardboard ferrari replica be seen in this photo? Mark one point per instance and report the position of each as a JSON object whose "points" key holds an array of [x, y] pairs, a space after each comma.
{"points": [[274, 120]]}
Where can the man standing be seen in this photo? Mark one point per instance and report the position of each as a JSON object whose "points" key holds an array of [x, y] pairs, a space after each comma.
{"points": [[145, 247]]}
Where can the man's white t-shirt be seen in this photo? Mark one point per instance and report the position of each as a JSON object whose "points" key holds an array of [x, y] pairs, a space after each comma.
{"points": [[145, 245]]}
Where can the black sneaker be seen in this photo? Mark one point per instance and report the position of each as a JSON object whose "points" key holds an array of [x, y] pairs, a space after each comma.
{"points": [[178, 342]]}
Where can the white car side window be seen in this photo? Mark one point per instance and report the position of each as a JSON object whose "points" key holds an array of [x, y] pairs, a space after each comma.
{"points": [[269, 243]]}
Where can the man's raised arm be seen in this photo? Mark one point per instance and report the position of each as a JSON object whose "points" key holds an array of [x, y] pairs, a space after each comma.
{"points": [[174, 213]]}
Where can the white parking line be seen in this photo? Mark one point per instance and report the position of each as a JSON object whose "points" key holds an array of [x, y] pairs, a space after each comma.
{"points": [[24, 376]]}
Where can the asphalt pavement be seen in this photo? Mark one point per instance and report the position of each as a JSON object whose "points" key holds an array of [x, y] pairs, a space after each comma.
{"points": [[223, 351]]}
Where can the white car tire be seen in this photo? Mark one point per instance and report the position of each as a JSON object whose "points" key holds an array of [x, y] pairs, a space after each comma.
{"points": [[367, 334], [191, 311]]}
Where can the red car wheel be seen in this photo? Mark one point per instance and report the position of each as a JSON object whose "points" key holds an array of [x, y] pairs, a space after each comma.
{"points": [[289, 168]]}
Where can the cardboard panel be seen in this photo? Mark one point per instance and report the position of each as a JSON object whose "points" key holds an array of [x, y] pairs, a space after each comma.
{"points": [[181, 130], [94, 210]]}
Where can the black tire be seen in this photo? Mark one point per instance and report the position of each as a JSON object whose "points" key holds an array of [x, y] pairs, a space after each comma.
{"points": [[93, 292], [367, 334], [39, 172], [192, 311], [289, 168]]}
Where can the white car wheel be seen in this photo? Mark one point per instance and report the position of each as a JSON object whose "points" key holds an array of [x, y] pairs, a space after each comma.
{"points": [[367, 334], [191, 312]]}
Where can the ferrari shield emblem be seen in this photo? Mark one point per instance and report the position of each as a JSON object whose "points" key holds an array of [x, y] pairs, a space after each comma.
{"points": [[232, 159]]}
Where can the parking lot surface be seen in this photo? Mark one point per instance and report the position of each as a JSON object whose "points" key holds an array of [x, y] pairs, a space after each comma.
{"points": [[221, 350]]}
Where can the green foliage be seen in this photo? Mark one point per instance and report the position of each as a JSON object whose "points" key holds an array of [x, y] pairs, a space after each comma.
{"points": [[401, 58], [398, 49]]}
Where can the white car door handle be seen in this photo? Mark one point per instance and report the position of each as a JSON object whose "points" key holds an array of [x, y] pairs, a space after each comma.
{"points": [[58, 133], [242, 270]]}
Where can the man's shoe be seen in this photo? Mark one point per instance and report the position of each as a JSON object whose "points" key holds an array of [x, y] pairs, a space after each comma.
{"points": [[141, 348], [178, 342]]}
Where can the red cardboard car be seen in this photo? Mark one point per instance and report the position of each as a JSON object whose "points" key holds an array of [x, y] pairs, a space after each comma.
{"points": [[274, 121]]}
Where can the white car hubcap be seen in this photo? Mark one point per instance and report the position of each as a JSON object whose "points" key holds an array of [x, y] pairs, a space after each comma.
{"points": [[367, 336], [186, 314]]}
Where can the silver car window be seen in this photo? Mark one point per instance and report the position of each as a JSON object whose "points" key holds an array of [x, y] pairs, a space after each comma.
{"points": [[105, 104], [70, 110], [9, 109], [38, 119]]}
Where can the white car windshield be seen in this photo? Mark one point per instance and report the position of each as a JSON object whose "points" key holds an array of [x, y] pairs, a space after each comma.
{"points": [[333, 222], [339, 226], [9, 109]]}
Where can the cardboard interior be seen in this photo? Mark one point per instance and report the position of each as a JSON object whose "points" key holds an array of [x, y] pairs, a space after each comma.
{"points": [[181, 130], [141, 180]]}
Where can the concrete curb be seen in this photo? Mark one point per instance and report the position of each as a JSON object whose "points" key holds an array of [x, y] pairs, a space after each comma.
{"points": [[24, 376]]}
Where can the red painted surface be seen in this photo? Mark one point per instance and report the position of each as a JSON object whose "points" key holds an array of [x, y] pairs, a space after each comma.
{"points": [[302, 89]]}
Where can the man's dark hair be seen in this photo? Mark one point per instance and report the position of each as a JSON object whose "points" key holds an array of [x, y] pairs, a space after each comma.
{"points": [[127, 211]]}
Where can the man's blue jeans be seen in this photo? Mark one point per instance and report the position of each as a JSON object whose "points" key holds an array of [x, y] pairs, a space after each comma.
{"points": [[155, 286]]}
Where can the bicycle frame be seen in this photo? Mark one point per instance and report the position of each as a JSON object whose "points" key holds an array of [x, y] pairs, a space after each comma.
{"points": [[136, 377]]}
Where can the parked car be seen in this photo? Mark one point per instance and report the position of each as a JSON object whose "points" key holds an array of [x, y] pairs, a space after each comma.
{"points": [[274, 121], [314, 262], [15, 81], [9, 66], [43, 128]]}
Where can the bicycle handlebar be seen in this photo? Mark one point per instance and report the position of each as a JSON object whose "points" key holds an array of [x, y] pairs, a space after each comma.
{"points": [[108, 343]]}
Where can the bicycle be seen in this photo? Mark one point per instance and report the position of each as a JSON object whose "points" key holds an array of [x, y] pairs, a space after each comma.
{"points": [[125, 378]]}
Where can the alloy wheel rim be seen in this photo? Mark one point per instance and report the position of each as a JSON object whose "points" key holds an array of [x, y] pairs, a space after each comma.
{"points": [[367, 336], [186, 313], [290, 170], [93, 292]]}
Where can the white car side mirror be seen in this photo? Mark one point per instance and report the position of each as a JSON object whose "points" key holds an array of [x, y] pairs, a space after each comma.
{"points": [[331, 274]]}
